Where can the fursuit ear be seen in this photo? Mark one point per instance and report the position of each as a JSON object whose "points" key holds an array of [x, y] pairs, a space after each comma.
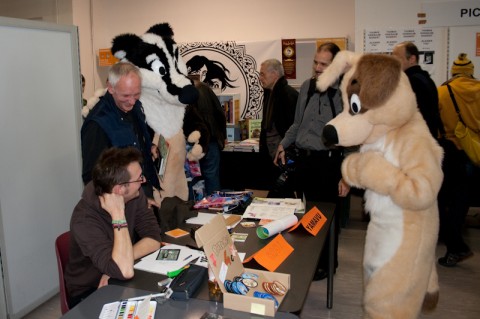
{"points": [[162, 29], [378, 76], [123, 44], [343, 61]]}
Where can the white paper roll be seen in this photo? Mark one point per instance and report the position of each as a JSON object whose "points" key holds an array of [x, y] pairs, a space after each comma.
{"points": [[276, 226]]}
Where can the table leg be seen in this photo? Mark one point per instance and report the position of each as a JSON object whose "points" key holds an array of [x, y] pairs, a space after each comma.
{"points": [[331, 266]]}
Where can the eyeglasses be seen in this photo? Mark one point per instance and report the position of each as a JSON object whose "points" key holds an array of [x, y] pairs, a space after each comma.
{"points": [[141, 179]]}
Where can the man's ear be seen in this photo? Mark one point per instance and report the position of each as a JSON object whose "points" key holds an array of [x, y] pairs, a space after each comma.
{"points": [[109, 88], [118, 189], [413, 60]]}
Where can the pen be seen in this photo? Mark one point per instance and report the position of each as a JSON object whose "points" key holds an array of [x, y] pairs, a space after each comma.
{"points": [[187, 257], [162, 294]]}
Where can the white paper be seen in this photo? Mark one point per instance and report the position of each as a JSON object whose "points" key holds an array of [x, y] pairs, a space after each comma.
{"points": [[276, 226], [151, 264], [201, 219], [109, 310], [143, 309], [273, 208]]}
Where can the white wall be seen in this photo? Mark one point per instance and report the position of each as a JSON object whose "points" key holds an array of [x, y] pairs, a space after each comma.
{"points": [[40, 162], [382, 14], [216, 20]]}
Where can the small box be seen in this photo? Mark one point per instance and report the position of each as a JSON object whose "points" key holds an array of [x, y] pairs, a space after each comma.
{"points": [[225, 262], [233, 132]]}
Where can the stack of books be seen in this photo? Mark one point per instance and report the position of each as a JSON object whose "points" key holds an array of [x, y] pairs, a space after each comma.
{"points": [[248, 145]]}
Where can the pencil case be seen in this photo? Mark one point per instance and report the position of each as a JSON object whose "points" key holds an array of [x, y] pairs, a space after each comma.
{"points": [[187, 282]]}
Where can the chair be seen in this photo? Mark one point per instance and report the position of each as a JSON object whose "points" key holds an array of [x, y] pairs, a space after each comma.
{"points": [[62, 248]]}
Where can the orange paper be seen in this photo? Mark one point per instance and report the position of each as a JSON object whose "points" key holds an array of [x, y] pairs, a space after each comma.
{"points": [[272, 255], [106, 58], [312, 221], [177, 232]]}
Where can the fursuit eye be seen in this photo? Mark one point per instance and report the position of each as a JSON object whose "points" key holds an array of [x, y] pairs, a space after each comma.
{"points": [[355, 104], [158, 67]]}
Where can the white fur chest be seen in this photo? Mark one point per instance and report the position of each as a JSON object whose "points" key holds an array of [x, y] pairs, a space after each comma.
{"points": [[165, 118], [385, 230]]}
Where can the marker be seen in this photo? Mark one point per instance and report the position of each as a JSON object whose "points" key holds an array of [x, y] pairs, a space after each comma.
{"points": [[162, 294], [187, 257]]}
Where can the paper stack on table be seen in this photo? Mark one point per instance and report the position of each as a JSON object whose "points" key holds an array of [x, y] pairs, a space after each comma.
{"points": [[273, 208], [151, 264]]}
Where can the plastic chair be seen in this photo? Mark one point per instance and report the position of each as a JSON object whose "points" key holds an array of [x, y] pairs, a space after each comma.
{"points": [[62, 248]]}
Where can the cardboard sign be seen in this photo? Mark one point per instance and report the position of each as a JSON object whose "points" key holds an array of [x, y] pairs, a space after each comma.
{"points": [[313, 221]]}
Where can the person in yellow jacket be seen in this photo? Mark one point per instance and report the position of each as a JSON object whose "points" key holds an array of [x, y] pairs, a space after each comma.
{"points": [[459, 172]]}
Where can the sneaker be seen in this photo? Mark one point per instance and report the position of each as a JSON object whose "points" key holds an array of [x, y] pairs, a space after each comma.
{"points": [[451, 259]]}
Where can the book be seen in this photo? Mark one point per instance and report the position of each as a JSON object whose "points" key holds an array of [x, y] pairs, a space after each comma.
{"points": [[163, 148], [254, 128], [141, 309]]}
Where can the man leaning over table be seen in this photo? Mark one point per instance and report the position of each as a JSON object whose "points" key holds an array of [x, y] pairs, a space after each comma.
{"points": [[111, 226]]}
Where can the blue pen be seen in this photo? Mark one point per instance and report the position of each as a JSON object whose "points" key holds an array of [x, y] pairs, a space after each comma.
{"points": [[187, 257]]}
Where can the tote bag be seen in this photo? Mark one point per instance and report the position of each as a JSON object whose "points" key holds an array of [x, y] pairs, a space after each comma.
{"points": [[468, 139]]}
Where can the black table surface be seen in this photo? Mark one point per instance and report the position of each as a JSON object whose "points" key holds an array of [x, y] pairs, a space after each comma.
{"points": [[301, 264], [193, 308]]}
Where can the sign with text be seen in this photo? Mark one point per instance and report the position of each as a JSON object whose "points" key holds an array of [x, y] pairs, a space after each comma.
{"points": [[312, 221], [451, 13], [289, 58], [106, 58]]}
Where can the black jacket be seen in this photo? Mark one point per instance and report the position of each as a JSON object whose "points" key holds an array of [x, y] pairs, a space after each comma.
{"points": [[284, 102]]}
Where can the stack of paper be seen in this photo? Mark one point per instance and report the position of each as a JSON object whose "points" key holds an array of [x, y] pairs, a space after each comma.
{"points": [[151, 264], [273, 208]]}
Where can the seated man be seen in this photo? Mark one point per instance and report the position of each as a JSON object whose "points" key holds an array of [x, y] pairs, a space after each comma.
{"points": [[112, 213]]}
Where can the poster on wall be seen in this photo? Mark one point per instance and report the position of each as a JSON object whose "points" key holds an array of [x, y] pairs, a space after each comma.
{"points": [[231, 67], [341, 42], [289, 58], [384, 40]]}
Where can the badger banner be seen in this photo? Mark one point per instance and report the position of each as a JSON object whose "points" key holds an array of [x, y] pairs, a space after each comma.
{"points": [[232, 67]]}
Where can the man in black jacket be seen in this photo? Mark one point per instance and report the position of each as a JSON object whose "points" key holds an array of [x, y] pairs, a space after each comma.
{"points": [[279, 102], [118, 120], [422, 85]]}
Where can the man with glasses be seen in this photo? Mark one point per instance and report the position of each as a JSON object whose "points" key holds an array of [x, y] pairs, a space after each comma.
{"points": [[118, 120], [318, 176], [111, 226]]}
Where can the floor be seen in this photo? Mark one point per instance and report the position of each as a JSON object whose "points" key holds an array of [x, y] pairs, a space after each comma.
{"points": [[459, 286]]}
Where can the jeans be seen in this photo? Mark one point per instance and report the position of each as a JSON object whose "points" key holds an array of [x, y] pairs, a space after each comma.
{"points": [[210, 167]]}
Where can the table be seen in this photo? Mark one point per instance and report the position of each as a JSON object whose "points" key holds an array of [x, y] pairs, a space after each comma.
{"points": [[301, 264], [193, 308]]}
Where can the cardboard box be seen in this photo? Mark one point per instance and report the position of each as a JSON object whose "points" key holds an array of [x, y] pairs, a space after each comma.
{"points": [[226, 265]]}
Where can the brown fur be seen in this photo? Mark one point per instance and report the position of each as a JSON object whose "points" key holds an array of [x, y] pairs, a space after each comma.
{"points": [[399, 166]]}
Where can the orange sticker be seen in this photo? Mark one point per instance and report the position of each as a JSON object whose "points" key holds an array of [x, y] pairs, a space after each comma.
{"points": [[312, 221], [274, 254]]}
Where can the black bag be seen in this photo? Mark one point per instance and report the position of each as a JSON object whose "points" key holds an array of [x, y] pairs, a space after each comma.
{"points": [[173, 212], [187, 283]]}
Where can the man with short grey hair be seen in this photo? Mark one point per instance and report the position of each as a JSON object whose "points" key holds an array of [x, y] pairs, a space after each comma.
{"points": [[279, 102]]}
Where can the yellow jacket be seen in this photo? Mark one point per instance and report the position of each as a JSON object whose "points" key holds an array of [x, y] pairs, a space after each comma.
{"points": [[467, 95]]}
